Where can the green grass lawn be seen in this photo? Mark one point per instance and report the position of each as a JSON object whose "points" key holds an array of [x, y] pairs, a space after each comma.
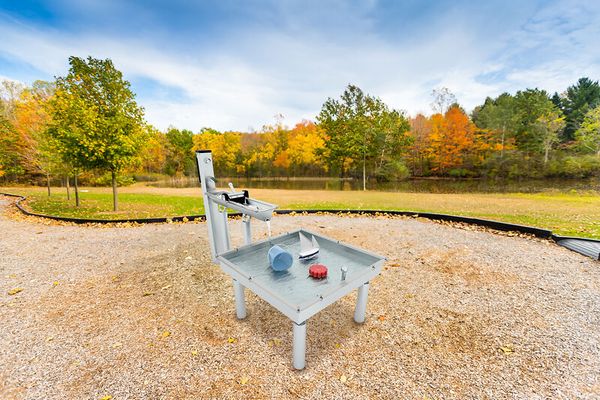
{"points": [[576, 214]]}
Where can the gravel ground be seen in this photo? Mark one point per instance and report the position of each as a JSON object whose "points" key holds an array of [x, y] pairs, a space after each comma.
{"points": [[140, 312]]}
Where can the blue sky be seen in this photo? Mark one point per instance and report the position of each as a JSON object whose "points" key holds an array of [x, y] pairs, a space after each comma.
{"points": [[235, 65]]}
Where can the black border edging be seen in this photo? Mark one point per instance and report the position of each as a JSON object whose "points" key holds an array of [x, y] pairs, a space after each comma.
{"points": [[488, 223], [101, 221], [501, 226]]}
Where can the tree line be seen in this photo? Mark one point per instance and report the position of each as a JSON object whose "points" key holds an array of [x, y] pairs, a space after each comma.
{"points": [[87, 126]]}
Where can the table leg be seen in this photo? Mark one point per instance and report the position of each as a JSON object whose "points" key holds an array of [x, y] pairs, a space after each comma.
{"points": [[361, 303], [299, 345], [240, 302]]}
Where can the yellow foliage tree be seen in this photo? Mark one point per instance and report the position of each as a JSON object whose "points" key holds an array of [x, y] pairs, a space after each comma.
{"points": [[226, 148]]}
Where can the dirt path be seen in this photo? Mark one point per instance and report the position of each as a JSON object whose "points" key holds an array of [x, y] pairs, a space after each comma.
{"points": [[141, 312]]}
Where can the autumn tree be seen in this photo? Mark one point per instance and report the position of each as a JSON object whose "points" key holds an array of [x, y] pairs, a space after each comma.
{"points": [[451, 140], [31, 119], [225, 147], [420, 130], [306, 141], [96, 121], [9, 156], [154, 151]]}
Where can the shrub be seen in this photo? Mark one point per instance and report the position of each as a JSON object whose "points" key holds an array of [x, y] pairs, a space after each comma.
{"points": [[106, 180], [575, 167], [394, 170]]}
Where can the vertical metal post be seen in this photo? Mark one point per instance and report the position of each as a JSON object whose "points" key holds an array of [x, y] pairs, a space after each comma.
{"points": [[361, 303], [240, 301], [247, 228], [299, 345], [218, 233]]}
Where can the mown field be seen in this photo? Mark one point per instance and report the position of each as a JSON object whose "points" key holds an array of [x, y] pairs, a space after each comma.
{"points": [[573, 213]]}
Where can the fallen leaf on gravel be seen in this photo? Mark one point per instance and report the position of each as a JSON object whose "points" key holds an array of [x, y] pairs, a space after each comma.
{"points": [[165, 334], [275, 342], [49, 338], [381, 317], [14, 291], [343, 379], [194, 352], [115, 278], [244, 380], [55, 283], [106, 397], [232, 340], [165, 287], [506, 349], [409, 295], [147, 294], [116, 345], [337, 345]]}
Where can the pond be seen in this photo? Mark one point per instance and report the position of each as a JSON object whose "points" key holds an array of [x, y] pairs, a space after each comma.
{"points": [[423, 185]]}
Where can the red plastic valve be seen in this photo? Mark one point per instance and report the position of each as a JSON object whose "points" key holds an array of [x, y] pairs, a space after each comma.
{"points": [[318, 271]]}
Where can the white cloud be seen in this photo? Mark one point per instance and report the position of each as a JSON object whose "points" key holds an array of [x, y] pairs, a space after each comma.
{"points": [[251, 75]]}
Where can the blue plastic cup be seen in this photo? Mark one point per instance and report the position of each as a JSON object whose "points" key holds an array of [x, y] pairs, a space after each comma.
{"points": [[279, 259]]}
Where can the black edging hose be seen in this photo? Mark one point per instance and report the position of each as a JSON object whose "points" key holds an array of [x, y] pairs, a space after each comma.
{"points": [[497, 225]]}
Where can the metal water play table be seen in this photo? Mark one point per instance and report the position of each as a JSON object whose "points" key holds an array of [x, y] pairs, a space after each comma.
{"points": [[293, 292]]}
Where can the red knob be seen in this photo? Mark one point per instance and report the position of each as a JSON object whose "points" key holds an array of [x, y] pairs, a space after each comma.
{"points": [[318, 271]]}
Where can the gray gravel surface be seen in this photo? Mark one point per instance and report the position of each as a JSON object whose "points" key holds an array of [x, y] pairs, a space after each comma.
{"points": [[141, 313]]}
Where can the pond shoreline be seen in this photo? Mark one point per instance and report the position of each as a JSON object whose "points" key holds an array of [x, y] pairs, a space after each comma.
{"points": [[410, 185]]}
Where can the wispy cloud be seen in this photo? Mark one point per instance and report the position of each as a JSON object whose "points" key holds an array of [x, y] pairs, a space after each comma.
{"points": [[238, 65]]}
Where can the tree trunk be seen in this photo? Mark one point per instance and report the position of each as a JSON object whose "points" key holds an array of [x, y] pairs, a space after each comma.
{"points": [[76, 190], [547, 150], [68, 188], [364, 174], [48, 183], [114, 188]]}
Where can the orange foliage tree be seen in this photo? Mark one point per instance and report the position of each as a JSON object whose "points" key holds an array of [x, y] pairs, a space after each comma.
{"points": [[451, 140]]}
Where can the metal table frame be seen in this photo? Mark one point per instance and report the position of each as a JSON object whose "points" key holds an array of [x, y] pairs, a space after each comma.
{"points": [[216, 217]]}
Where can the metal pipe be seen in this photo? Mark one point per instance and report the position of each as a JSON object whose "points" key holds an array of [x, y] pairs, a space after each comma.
{"points": [[247, 228], [240, 301], [299, 345], [361, 303]]}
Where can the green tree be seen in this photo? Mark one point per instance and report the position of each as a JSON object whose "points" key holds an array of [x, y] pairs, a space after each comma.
{"points": [[549, 125], [588, 134], [498, 116], [530, 105], [578, 100], [180, 156], [96, 121], [361, 130]]}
